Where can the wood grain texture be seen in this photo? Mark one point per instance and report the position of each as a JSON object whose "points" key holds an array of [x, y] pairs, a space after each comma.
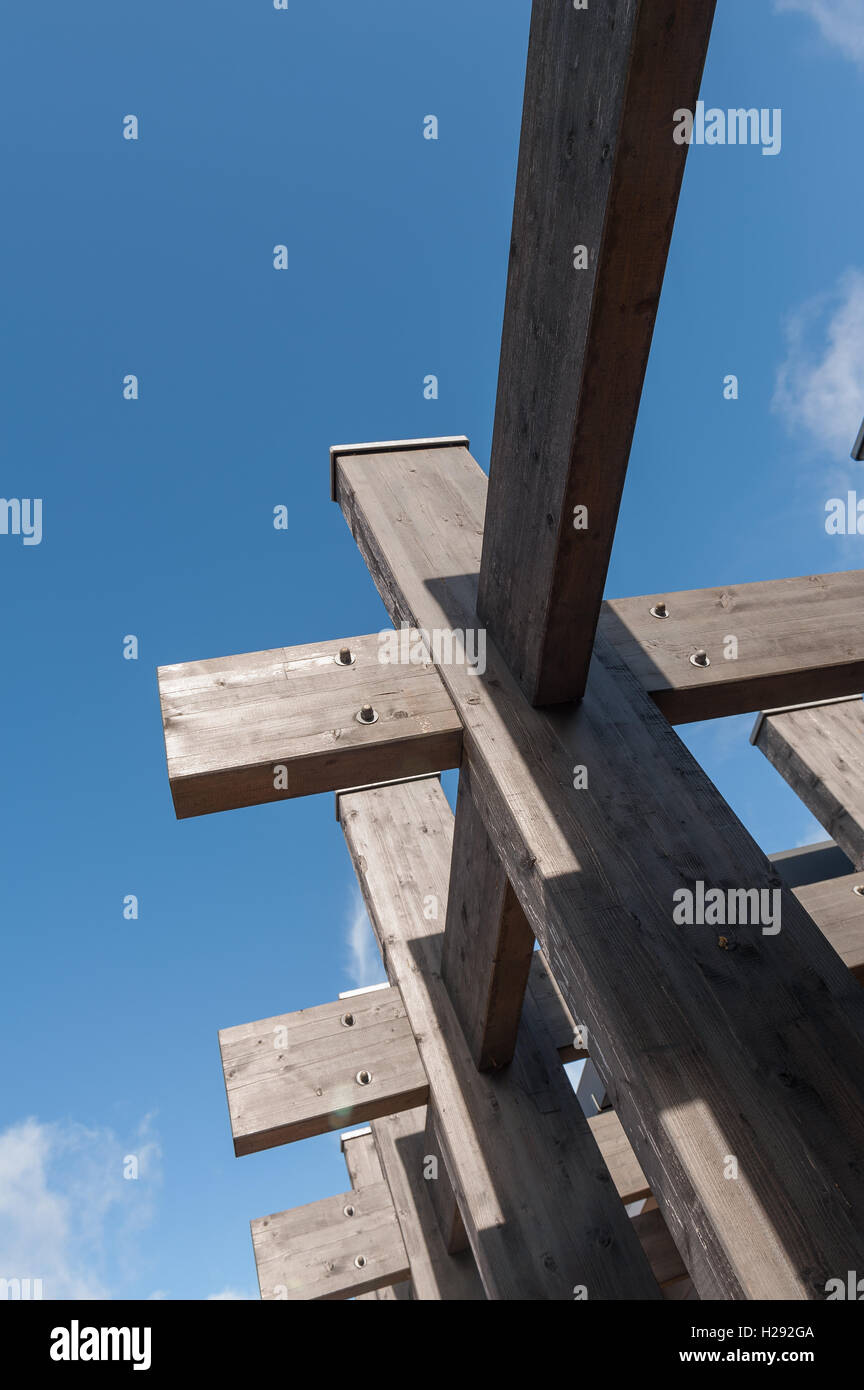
{"points": [[539, 1208], [364, 1170], [436, 1274], [598, 167], [231, 722], [444, 1203], [820, 752], [310, 1253], [838, 911], [797, 639], [488, 944], [295, 1075], [756, 1051]]}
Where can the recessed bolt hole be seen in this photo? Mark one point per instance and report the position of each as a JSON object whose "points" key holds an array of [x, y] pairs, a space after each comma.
{"points": [[700, 659], [345, 657], [360, 1262], [348, 1020], [363, 1078], [859, 889], [367, 715], [659, 611], [349, 1211]]}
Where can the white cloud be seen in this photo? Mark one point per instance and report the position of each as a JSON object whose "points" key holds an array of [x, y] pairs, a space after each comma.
{"points": [[820, 386], [364, 963], [67, 1214], [230, 1296], [840, 22]]}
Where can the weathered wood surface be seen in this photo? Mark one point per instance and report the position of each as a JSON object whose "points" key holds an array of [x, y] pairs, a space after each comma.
{"points": [[811, 863], [334, 1249], [819, 750], [231, 723], [839, 911], [598, 167], [364, 1169], [435, 1272], [796, 640], [488, 944], [756, 1052], [624, 1170], [444, 1203], [540, 1211], [296, 1075]]}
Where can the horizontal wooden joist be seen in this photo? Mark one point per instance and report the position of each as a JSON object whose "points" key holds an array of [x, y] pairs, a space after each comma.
{"points": [[780, 641], [296, 1075], [266, 726], [819, 749], [601, 816], [333, 1249]]}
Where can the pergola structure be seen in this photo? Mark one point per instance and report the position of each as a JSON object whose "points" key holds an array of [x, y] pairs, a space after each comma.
{"points": [[538, 925]]}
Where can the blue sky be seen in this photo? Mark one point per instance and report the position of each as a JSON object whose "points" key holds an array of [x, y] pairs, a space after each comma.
{"points": [[303, 127]]}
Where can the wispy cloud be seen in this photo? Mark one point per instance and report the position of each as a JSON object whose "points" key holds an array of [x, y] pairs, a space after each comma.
{"points": [[364, 963], [820, 385], [230, 1296], [67, 1214], [840, 22]]}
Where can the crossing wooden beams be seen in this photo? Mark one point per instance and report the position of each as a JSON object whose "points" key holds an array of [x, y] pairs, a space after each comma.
{"points": [[532, 1238], [786, 640], [596, 193], [819, 749], [265, 726], [706, 1051]]}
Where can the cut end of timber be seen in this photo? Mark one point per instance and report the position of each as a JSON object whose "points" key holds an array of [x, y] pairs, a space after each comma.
{"points": [[391, 446]]}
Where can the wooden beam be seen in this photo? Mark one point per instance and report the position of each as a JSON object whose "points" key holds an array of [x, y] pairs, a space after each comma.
{"points": [[266, 726], [334, 1249], [364, 1169], [811, 864], [701, 1057], [783, 640], [819, 750], [535, 1196], [488, 944], [837, 906], [435, 1273], [598, 168], [444, 1203], [296, 1075]]}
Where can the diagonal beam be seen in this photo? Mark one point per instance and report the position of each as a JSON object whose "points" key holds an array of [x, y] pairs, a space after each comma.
{"points": [[265, 726], [488, 944], [599, 168], [435, 1272], [780, 641], [819, 749], [532, 1239], [755, 1052]]}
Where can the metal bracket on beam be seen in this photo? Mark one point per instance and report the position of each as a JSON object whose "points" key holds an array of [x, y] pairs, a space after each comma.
{"points": [[391, 446]]}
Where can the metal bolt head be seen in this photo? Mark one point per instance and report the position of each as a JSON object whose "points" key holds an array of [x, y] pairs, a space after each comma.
{"points": [[700, 659], [349, 1210], [659, 610], [859, 889], [360, 1262], [348, 1020], [345, 657], [367, 715], [363, 1078]]}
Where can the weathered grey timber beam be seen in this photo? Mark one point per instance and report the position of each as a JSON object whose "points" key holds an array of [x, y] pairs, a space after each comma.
{"points": [[707, 1052], [301, 1074], [596, 193], [783, 640], [364, 1169], [266, 726], [819, 749], [488, 944], [539, 1209], [334, 1249]]}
